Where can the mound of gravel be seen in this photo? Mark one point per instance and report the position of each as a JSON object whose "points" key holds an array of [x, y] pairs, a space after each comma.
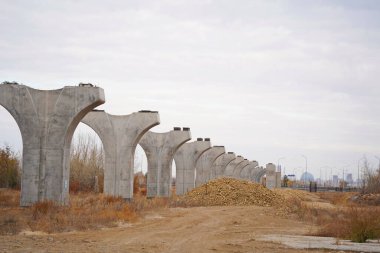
{"points": [[232, 192]]}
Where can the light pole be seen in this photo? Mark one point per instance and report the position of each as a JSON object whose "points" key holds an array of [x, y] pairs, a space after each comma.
{"points": [[378, 158], [278, 163], [305, 168], [358, 171], [327, 178]]}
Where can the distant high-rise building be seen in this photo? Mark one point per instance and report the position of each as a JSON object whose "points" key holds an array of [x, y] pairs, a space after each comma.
{"points": [[335, 181], [349, 179]]}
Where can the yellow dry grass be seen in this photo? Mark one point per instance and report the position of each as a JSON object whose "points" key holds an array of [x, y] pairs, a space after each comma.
{"points": [[86, 211]]}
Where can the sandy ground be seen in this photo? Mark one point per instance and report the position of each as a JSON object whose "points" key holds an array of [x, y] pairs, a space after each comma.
{"points": [[201, 229]]}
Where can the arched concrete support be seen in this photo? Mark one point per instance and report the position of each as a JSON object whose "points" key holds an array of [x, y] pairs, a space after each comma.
{"points": [[239, 168], [120, 134], [47, 120], [160, 149], [247, 170], [204, 164], [221, 163], [228, 172], [186, 158], [258, 174]]}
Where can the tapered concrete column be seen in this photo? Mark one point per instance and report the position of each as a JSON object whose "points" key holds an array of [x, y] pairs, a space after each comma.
{"points": [[228, 172], [204, 164], [185, 159], [239, 168], [271, 176], [47, 120], [247, 170], [160, 149], [221, 163], [120, 134]]}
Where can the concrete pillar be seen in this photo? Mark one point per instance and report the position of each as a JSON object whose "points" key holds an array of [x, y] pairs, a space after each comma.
{"points": [[186, 158], [257, 174], [247, 170], [120, 135], [221, 163], [160, 149], [204, 164], [271, 176], [237, 171], [47, 120], [278, 179], [228, 172]]}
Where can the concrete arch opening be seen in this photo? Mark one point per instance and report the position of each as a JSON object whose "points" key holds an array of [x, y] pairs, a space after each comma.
{"points": [[11, 143], [86, 161], [140, 171], [174, 176], [161, 149], [10, 134], [47, 120]]}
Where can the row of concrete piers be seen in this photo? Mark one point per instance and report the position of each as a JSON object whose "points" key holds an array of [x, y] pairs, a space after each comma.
{"points": [[48, 118]]}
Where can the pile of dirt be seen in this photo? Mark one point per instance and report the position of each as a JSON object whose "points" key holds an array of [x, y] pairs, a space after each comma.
{"points": [[232, 192], [289, 194]]}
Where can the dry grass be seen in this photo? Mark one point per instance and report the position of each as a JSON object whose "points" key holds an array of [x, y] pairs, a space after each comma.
{"points": [[9, 198], [354, 223], [86, 211], [86, 165], [337, 198], [344, 221]]}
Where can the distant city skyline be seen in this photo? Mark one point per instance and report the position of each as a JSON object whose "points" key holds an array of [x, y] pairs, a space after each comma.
{"points": [[266, 79]]}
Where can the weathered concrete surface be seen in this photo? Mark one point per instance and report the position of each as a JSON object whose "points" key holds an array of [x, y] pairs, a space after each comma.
{"points": [[47, 120], [204, 164], [221, 163], [237, 171], [185, 159], [247, 170], [271, 176], [228, 172], [278, 179], [120, 135], [257, 174], [160, 149]]}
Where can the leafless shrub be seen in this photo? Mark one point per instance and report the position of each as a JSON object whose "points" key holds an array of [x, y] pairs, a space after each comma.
{"points": [[9, 168], [357, 224], [86, 165], [345, 221], [371, 178]]}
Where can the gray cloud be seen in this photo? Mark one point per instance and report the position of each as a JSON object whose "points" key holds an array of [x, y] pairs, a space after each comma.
{"points": [[265, 78]]}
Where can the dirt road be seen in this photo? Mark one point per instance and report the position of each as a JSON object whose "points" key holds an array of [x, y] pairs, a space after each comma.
{"points": [[201, 229]]}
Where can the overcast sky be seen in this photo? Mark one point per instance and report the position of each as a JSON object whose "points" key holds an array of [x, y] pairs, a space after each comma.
{"points": [[267, 79]]}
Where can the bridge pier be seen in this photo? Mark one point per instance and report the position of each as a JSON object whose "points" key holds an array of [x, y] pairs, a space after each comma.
{"points": [[47, 120]]}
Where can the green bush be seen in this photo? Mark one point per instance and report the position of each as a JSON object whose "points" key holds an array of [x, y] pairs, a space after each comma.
{"points": [[9, 168]]}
